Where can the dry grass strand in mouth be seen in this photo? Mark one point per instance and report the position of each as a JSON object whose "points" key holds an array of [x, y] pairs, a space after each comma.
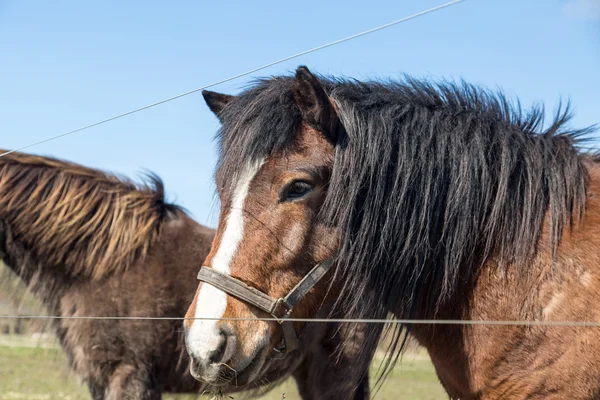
{"points": [[217, 394]]}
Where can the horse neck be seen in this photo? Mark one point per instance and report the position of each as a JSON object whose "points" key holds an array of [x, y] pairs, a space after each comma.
{"points": [[46, 282]]}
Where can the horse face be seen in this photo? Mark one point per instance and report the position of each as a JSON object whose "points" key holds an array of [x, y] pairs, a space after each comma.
{"points": [[269, 236]]}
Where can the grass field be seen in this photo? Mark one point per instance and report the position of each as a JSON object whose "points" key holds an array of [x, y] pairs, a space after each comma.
{"points": [[32, 370]]}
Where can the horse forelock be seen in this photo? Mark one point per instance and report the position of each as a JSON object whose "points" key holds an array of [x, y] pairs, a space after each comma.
{"points": [[90, 222], [257, 123]]}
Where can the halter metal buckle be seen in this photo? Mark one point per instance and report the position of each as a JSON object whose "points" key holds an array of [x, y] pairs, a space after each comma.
{"points": [[281, 305]]}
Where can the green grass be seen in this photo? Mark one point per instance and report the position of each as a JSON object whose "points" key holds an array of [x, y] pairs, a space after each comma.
{"points": [[36, 370]]}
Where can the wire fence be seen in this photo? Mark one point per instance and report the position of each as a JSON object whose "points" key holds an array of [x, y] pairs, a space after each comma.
{"points": [[293, 56], [584, 324], [391, 321], [314, 320]]}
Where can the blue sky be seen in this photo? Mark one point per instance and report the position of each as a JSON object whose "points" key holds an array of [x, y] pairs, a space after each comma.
{"points": [[64, 64]]}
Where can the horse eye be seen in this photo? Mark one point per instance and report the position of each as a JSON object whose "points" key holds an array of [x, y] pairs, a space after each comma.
{"points": [[296, 190]]}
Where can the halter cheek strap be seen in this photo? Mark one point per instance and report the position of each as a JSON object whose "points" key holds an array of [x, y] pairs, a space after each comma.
{"points": [[280, 308]]}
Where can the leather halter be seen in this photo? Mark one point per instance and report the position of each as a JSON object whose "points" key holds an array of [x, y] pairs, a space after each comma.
{"points": [[280, 308]]}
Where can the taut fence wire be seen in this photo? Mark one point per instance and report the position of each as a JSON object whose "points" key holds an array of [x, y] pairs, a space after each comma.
{"points": [[302, 53], [583, 324], [593, 324]]}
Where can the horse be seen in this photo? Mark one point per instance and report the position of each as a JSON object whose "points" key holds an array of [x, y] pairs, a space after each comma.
{"points": [[93, 244], [419, 199]]}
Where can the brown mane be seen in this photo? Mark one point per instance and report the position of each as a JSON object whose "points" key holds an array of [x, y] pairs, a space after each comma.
{"points": [[87, 221]]}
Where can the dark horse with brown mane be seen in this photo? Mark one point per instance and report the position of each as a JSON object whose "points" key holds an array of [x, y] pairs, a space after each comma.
{"points": [[91, 244], [424, 200]]}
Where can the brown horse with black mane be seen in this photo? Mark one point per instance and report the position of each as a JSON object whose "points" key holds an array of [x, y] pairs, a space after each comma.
{"points": [[426, 200], [91, 244]]}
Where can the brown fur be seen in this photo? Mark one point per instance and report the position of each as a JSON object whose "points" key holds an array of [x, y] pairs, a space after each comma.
{"points": [[143, 258], [517, 362]]}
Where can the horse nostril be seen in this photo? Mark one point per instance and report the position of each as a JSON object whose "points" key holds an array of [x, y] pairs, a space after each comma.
{"points": [[195, 369], [217, 354]]}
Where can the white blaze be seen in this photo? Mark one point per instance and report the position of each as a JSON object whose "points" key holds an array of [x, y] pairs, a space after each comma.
{"points": [[203, 336]]}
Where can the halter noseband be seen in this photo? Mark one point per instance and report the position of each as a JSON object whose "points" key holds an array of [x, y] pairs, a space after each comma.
{"points": [[280, 308]]}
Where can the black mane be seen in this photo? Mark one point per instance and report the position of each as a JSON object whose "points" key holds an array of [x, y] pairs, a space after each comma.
{"points": [[431, 179]]}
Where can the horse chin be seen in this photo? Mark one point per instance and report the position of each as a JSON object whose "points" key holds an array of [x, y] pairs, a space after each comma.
{"points": [[223, 375], [248, 374]]}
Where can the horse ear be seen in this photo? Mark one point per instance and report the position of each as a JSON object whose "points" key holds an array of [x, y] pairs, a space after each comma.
{"points": [[216, 101], [314, 104]]}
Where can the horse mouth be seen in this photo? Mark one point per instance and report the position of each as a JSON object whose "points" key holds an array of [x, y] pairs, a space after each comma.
{"points": [[225, 375]]}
